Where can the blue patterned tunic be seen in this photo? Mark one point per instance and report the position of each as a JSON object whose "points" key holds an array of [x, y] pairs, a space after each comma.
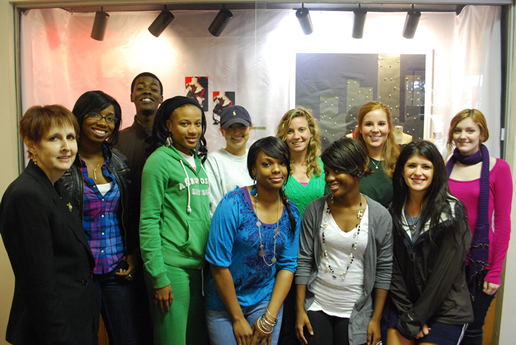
{"points": [[234, 242]]}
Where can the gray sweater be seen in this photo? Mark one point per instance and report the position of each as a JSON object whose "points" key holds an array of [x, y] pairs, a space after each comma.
{"points": [[377, 261]]}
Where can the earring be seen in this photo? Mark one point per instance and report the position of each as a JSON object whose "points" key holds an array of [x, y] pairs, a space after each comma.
{"points": [[169, 141], [254, 192], [33, 157]]}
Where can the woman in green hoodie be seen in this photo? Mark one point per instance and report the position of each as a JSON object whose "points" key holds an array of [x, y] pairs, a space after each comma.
{"points": [[175, 221]]}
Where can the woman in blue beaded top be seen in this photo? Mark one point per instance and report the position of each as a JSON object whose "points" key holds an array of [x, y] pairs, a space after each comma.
{"points": [[252, 250]]}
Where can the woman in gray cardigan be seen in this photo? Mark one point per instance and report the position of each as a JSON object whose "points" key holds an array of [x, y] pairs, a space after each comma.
{"points": [[345, 256]]}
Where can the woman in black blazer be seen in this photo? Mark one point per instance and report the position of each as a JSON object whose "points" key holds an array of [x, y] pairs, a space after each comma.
{"points": [[53, 302]]}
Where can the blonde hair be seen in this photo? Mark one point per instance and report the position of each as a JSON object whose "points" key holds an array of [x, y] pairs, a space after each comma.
{"points": [[476, 116], [390, 150], [314, 147]]}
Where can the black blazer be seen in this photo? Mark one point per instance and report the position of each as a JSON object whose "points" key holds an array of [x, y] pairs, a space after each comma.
{"points": [[54, 301]]}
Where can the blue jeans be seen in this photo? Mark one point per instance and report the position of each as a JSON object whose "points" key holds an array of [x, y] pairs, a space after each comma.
{"points": [[220, 324], [124, 309]]}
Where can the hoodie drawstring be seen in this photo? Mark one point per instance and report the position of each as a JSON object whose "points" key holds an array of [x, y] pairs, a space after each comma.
{"points": [[188, 208]]}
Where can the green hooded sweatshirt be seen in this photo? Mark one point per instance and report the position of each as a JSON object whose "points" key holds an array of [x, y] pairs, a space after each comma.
{"points": [[175, 214]]}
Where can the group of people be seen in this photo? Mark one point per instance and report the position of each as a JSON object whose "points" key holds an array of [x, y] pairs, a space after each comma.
{"points": [[275, 244]]}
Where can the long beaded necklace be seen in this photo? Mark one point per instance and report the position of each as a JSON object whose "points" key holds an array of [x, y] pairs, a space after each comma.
{"points": [[263, 252], [354, 246]]}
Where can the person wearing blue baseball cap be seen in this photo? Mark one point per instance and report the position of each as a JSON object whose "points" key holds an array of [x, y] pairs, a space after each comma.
{"points": [[227, 167]]}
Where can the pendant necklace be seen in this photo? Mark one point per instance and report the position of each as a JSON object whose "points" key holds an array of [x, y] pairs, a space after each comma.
{"points": [[415, 222], [354, 246], [376, 165], [263, 252], [95, 172]]}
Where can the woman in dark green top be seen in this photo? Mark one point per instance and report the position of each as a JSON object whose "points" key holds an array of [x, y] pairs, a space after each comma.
{"points": [[375, 130]]}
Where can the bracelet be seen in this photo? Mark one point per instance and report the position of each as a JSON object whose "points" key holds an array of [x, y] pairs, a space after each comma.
{"points": [[274, 319], [270, 324], [262, 327]]}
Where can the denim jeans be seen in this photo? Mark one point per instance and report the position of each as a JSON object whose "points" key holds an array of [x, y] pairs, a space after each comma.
{"points": [[220, 324], [123, 305]]}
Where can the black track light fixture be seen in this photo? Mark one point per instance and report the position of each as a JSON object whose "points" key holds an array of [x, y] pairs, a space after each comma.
{"points": [[99, 25], [359, 22], [161, 22], [220, 21], [303, 15], [411, 22]]}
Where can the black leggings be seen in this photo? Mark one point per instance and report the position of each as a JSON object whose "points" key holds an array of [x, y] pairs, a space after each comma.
{"points": [[328, 330], [481, 305]]}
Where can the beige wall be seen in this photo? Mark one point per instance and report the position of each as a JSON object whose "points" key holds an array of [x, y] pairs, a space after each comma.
{"points": [[508, 314], [8, 146], [9, 170]]}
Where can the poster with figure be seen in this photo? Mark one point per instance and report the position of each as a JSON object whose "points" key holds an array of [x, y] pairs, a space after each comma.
{"points": [[221, 100], [197, 88]]}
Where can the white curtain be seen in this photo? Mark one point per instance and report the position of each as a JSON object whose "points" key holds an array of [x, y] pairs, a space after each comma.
{"points": [[255, 58]]}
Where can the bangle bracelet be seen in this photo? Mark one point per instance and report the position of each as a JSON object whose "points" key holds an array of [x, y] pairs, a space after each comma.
{"points": [[271, 320], [266, 325], [272, 316], [261, 328], [271, 324]]}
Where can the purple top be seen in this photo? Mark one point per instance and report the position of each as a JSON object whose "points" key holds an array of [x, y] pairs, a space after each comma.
{"points": [[101, 223]]}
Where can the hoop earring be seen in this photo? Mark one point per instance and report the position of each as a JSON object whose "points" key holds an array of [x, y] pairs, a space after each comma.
{"points": [[169, 141]]}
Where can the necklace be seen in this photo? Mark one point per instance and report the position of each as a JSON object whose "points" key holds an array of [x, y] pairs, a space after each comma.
{"points": [[354, 246], [95, 172], [138, 120], [375, 165], [262, 252], [415, 222]]}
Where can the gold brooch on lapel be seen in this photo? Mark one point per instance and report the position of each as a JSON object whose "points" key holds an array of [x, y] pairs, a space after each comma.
{"points": [[69, 206]]}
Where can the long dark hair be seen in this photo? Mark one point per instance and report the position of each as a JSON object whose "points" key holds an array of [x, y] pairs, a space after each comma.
{"points": [[347, 155], [275, 148], [437, 198], [96, 101], [160, 131]]}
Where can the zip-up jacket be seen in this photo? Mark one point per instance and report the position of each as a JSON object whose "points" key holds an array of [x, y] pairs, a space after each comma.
{"points": [[117, 165], [428, 277], [175, 214]]}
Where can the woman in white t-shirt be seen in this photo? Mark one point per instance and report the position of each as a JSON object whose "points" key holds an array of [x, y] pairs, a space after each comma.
{"points": [[345, 255]]}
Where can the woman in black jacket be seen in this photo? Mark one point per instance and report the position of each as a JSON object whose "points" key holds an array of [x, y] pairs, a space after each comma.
{"points": [[99, 184], [430, 298], [54, 301]]}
